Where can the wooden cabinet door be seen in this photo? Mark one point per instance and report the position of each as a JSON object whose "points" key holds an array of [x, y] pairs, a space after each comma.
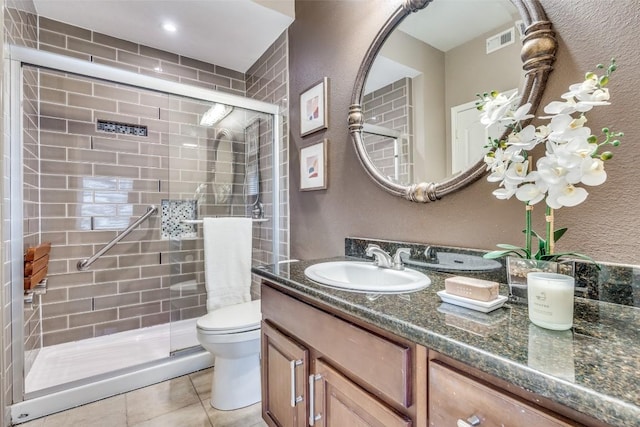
{"points": [[338, 402], [285, 369], [458, 400]]}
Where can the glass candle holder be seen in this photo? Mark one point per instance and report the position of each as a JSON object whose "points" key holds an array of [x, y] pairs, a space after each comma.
{"points": [[550, 300]]}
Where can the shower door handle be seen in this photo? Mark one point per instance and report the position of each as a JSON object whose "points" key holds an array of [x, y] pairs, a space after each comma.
{"points": [[294, 399]]}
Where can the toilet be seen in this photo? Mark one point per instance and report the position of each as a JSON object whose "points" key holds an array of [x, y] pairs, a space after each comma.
{"points": [[232, 335]]}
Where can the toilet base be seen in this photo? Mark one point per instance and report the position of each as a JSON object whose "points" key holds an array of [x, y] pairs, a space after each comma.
{"points": [[236, 382]]}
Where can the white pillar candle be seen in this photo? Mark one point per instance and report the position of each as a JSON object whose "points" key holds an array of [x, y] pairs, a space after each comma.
{"points": [[550, 298]]}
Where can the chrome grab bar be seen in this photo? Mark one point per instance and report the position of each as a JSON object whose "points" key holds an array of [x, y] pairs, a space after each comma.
{"points": [[84, 264]]}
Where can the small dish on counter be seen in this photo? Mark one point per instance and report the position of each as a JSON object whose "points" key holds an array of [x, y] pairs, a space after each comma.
{"points": [[482, 306]]}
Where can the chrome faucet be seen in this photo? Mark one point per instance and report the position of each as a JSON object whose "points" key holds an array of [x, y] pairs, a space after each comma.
{"points": [[381, 258], [384, 260], [397, 258], [431, 255]]}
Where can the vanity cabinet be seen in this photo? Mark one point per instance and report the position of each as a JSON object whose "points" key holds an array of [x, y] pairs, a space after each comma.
{"points": [[321, 367], [322, 370]]}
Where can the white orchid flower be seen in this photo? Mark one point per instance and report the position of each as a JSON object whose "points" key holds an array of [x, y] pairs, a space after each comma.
{"points": [[593, 172], [503, 193], [489, 161], [517, 172], [565, 195], [530, 193], [588, 86], [600, 96], [526, 139], [521, 114], [496, 108], [571, 157], [563, 127], [493, 160], [571, 106], [550, 171], [498, 171], [588, 91], [542, 131]]}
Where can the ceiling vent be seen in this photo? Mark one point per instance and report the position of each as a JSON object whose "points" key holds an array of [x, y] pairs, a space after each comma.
{"points": [[500, 40]]}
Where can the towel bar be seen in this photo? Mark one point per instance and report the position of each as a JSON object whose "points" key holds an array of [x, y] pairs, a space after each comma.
{"points": [[199, 221]]}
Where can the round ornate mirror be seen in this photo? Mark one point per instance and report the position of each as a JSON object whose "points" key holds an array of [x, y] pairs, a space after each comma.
{"points": [[413, 119]]}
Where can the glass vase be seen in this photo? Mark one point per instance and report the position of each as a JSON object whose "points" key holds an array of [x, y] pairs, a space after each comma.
{"points": [[518, 268]]}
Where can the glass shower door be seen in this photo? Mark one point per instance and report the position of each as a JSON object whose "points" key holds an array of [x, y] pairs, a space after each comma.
{"points": [[93, 161], [215, 169]]}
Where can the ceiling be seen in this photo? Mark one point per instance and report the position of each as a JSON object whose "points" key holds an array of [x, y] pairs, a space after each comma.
{"points": [[230, 33], [444, 25]]}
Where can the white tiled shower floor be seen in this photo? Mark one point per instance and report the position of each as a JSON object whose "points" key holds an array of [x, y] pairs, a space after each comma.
{"points": [[62, 363]]}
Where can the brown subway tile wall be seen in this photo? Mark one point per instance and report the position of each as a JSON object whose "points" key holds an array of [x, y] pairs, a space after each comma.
{"points": [[268, 80], [390, 107], [105, 189]]}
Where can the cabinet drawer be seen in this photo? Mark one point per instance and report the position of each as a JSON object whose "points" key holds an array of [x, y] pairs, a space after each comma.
{"points": [[454, 396], [375, 361], [339, 402]]}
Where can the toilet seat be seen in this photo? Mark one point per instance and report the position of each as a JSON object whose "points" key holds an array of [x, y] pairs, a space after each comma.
{"points": [[232, 319]]}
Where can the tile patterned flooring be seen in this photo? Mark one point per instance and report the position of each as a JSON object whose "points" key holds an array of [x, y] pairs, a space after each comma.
{"points": [[180, 402]]}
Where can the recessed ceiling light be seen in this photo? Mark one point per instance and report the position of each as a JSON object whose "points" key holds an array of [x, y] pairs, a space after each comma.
{"points": [[168, 26]]}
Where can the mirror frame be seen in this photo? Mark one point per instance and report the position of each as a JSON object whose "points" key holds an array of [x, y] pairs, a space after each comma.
{"points": [[538, 53]]}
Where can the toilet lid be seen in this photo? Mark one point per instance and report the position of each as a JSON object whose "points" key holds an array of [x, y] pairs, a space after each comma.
{"points": [[234, 318]]}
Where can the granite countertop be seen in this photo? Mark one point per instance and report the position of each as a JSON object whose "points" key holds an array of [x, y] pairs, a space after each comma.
{"points": [[593, 368]]}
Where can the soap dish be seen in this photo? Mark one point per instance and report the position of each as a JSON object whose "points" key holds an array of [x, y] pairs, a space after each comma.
{"points": [[484, 307]]}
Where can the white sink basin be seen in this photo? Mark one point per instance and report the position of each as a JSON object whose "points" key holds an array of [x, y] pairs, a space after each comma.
{"points": [[365, 277]]}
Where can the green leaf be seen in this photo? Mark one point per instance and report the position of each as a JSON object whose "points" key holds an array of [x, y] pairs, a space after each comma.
{"points": [[501, 254], [559, 233], [557, 256], [510, 247]]}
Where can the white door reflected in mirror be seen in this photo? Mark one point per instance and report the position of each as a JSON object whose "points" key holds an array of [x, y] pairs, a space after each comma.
{"points": [[469, 137]]}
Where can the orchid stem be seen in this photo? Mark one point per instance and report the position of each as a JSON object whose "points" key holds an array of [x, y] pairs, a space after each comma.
{"points": [[528, 229], [550, 241]]}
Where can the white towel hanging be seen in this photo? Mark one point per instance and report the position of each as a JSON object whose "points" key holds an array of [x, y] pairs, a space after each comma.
{"points": [[227, 260]]}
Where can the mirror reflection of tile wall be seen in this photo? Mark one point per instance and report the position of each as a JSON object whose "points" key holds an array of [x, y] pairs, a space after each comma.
{"points": [[390, 107]]}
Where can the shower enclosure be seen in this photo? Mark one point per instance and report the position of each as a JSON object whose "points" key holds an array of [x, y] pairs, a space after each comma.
{"points": [[93, 149]]}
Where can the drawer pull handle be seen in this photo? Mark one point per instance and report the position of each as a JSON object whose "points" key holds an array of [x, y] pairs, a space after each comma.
{"points": [[292, 366], [312, 401], [470, 422]]}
